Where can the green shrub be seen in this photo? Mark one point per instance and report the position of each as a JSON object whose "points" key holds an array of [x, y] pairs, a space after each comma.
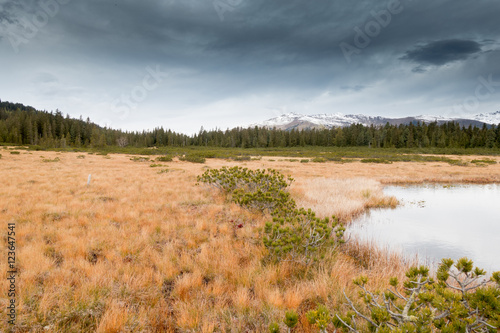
{"points": [[164, 158], [376, 160], [262, 190], [241, 158], [456, 162], [320, 318], [484, 161], [192, 158], [291, 319], [15, 152], [334, 159], [460, 300], [319, 160], [293, 234], [274, 328], [304, 161], [36, 148], [301, 236], [154, 165]]}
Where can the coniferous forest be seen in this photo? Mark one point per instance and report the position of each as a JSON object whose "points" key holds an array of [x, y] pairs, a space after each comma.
{"points": [[20, 124]]}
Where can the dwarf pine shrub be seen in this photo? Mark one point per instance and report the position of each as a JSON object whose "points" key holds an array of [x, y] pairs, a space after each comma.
{"points": [[193, 159], [301, 236], [262, 190], [459, 299], [164, 158], [291, 320], [292, 234], [319, 318]]}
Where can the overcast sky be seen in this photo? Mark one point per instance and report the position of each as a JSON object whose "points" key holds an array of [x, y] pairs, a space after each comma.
{"points": [[183, 64]]}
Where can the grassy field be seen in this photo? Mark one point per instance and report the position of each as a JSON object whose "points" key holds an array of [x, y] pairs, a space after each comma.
{"points": [[144, 249]]}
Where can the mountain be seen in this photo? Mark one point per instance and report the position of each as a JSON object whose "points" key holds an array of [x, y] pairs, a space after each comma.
{"points": [[293, 120], [489, 118]]}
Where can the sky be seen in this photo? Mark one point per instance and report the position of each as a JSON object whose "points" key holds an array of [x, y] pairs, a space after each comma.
{"points": [[183, 64]]}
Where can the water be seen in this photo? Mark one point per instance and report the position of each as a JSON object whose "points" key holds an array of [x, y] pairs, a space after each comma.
{"points": [[436, 221]]}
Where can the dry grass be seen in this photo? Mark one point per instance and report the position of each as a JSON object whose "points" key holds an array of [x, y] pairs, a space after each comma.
{"points": [[344, 198], [142, 251]]}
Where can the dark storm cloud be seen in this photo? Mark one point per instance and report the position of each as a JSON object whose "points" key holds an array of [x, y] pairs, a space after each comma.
{"points": [[256, 48], [7, 11], [253, 33], [442, 52]]}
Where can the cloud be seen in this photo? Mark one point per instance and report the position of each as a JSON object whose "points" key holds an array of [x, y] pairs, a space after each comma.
{"points": [[356, 88], [45, 78], [442, 52], [263, 56], [419, 69]]}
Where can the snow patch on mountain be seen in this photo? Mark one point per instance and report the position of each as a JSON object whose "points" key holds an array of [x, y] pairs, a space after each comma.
{"points": [[292, 120], [489, 118], [327, 120]]}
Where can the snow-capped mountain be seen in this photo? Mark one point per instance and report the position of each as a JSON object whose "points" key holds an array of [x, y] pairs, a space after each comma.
{"points": [[299, 121], [489, 118]]}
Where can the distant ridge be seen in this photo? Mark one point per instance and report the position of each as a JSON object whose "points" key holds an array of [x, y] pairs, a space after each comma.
{"points": [[293, 120]]}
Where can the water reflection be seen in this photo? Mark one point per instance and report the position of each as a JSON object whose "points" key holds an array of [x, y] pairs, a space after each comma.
{"points": [[439, 221]]}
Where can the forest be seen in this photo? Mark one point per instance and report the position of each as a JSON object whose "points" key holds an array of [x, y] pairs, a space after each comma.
{"points": [[24, 125]]}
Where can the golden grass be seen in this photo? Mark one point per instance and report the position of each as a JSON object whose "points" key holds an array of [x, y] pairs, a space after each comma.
{"points": [[343, 198], [139, 250]]}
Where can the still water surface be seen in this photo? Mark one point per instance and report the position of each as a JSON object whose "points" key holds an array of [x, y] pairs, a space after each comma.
{"points": [[436, 221]]}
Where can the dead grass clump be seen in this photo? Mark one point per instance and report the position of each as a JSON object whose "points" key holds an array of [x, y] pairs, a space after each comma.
{"points": [[94, 254], [54, 254]]}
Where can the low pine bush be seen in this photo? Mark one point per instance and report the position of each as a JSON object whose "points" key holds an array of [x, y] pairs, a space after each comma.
{"points": [[293, 234], [241, 158], [192, 158], [376, 160], [319, 160], [164, 159], [458, 299], [263, 190], [301, 236]]}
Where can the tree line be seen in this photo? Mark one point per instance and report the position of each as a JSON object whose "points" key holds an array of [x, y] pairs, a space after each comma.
{"points": [[21, 124]]}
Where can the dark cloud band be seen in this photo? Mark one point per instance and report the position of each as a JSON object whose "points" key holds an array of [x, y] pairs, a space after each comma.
{"points": [[443, 52]]}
